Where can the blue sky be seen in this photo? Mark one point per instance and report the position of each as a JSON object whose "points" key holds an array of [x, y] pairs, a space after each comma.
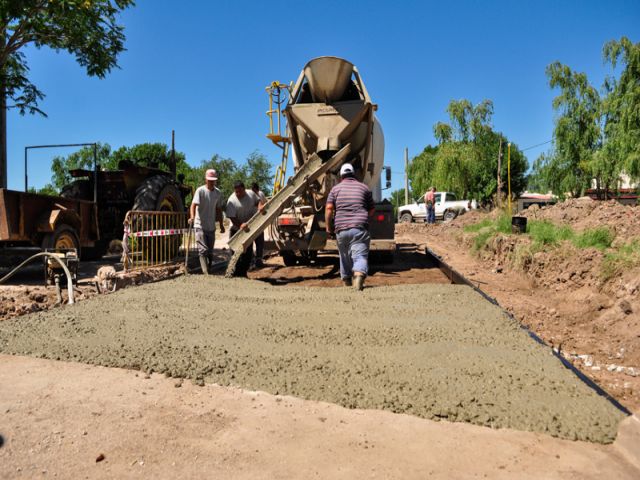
{"points": [[200, 67]]}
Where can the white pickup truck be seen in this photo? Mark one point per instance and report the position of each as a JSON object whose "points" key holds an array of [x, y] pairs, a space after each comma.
{"points": [[447, 208]]}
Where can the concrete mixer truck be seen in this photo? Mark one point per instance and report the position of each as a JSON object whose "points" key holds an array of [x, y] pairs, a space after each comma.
{"points": [[330, 120]]}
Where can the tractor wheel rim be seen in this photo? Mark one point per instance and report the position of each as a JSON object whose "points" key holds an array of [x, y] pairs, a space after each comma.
{"points": [[65, 240], [167, 205]]}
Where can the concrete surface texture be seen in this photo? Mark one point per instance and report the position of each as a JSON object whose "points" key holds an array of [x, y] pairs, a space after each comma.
{"points": [[433, 351]]}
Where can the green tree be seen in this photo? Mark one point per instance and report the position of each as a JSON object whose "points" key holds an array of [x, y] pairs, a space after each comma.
{"points": [[87, 29], [622, 106], [537, 180], [465, 160], [256, 169], [80, 159], [155, 155], [48, 189], [577, 130]]}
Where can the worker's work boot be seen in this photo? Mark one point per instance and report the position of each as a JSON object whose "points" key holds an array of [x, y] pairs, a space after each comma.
{"points": [[204, 263], [347, 281], [358, 281]]}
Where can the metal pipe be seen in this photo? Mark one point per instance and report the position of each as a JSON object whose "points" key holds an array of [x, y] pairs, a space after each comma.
{"points": [[49, 255]]}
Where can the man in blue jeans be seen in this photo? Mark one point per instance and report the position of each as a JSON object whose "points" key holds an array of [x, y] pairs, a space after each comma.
{"points": [[352, 204]]}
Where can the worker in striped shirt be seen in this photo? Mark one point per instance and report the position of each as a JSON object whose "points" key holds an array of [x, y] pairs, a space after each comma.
{"points": [[347, 212]]}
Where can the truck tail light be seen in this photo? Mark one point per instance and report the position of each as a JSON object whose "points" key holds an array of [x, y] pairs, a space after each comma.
{"points": [[288, 221]]}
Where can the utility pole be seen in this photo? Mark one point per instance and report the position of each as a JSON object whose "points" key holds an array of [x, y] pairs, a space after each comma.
{"points": [[406, 176], [499, 199], [509, 174]]}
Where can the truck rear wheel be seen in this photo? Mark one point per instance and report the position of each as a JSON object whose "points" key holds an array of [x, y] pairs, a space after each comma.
{"points": [[289, 258], [63, 237]]}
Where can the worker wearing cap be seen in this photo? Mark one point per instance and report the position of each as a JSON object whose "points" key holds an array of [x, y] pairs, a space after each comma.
{"points": [[241, 206], [205, 209], [347, 212]]}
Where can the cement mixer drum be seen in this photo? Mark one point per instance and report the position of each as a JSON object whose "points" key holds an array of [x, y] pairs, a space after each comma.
{"points": [[330, 108]]}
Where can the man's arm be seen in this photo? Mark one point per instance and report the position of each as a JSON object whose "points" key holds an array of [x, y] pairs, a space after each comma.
{"points": [[328, 218], [220, 218], [371, 206], [192, 212]]}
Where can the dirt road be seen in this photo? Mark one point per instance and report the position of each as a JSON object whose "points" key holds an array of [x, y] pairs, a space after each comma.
{"points": [[57, 418]]}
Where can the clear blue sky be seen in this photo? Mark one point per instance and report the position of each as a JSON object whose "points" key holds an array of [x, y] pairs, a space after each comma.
{"points": [[200, 67]]}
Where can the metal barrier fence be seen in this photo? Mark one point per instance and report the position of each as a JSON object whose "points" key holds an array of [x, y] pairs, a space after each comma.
{"points": [[155, 238]]}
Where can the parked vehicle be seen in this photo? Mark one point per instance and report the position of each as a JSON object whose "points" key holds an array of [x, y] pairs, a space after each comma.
{"points": [[446, 205], [89, 212]]}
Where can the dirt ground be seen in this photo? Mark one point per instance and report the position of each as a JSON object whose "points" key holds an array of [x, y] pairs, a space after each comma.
{"points": [[560, 295], [58, 418], [26, 291]]}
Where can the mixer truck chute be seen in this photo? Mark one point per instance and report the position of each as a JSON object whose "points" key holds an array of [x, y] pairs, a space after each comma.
{"points": [[330, 120]]}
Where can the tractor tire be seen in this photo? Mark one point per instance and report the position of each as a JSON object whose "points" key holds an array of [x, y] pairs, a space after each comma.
{"points": [[406, 218], [289, 258], [78, 189], [63, 237], [449, 215], [158, 193]]}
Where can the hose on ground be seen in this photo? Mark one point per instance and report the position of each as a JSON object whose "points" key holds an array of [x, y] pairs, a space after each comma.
{"points": [[49, 255]]}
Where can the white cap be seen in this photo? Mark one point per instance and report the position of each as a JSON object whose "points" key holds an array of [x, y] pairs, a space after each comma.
{"points": [[346, 169]]}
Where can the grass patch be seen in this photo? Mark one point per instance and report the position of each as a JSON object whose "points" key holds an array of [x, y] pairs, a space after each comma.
{"points": [[476, 227], [623, 258], [543, 232], [482, 238], [600, 238]]}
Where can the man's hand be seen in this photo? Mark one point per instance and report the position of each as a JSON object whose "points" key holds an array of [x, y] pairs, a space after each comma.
{"points": [[244, 227], [190, 221], [261, 208]]}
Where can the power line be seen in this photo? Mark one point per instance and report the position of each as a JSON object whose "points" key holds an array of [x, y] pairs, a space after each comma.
{"points": [[534, 146]]}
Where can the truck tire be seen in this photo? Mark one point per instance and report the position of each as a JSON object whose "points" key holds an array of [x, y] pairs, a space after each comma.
{"points": [[158, 193], [63, 237], [406, 217], [449, 215], [289, 258], [78, 189]]}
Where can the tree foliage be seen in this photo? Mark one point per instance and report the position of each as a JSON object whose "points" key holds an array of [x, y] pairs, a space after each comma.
{"points": [[466, 159], [256, 168], [87, 29], [595, 137]]}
